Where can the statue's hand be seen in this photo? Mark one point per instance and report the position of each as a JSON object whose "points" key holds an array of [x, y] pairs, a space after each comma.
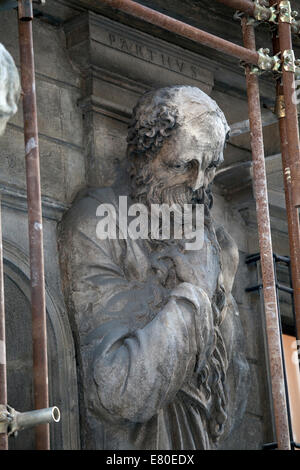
{"points": [[199, 301], [200, 268]]}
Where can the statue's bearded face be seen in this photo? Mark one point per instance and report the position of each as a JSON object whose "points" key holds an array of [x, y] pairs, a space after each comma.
{"points": [[187, 161]]}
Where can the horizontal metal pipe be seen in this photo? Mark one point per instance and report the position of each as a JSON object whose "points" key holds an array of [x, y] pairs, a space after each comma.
{"points": [[287, 289], [282, 259], [253, 258], [246, 6], [30, 419], [183, 29]]}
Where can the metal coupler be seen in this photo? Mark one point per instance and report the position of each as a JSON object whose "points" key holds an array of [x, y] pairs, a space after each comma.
{"points": [[12, 421]]}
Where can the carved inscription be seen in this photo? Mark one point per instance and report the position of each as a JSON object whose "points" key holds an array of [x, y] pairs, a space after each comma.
{"points": [[156, 57]]}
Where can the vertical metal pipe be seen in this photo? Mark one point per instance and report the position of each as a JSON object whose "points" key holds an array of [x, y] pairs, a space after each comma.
{"points": [[290, 101], [283, 357], [3, 381], [39, 331], [265, 244], [293, 223], [285, 121]]}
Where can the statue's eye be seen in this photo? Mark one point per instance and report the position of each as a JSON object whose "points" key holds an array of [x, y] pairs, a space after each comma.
{"points": [[178, 166]]}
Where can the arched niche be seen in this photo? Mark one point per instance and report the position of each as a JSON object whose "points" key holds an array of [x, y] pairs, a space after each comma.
{"points": [[61, 356]]}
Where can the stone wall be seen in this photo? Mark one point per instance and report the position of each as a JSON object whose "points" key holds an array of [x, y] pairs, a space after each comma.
{"points": [[90, 70], [62, 175]]}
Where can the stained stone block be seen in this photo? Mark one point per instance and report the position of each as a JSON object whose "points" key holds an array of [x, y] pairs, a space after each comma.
{"points": [[12, 158], [246, 278], [248, 436], [256, 403], [74, 172], [224, 215], [252, 326], [59, 116], [109, 148]]}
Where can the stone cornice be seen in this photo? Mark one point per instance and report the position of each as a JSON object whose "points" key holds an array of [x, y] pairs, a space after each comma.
{"points": [[16, 198], [97, 41]]}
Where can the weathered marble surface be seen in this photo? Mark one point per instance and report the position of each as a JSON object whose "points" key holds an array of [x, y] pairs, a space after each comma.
{"points": [[9, 88], [159, 342]]}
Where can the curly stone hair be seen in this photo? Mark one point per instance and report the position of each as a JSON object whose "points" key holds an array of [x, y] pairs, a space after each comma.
{"points": [[153, 120]]}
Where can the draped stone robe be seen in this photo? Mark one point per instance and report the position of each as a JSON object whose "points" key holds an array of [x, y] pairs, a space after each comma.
{"points": [[144, 336]]}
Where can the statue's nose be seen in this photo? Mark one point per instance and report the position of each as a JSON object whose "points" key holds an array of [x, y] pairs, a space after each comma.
{"points": [[198, 183]]}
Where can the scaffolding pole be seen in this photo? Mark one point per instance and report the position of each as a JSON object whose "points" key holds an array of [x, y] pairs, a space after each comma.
{"points": [[35, 228], [183, 29], [3, 379], [265, 244], [290, 136], [290, 104], [291, 210], [246, 6]]}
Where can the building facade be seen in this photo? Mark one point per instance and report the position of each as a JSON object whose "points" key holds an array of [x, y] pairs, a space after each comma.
{"points": [[92, 64]]}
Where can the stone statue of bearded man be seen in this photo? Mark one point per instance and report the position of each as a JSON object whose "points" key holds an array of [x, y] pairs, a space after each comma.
{"points": [[160, 357]]}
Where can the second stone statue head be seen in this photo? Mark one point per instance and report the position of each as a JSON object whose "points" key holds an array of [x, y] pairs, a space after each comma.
{"points": [[175, 143], [10, 88]]}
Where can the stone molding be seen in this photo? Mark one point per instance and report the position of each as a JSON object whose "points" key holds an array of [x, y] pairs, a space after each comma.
{"points": [[112, 55], [16, 198]]}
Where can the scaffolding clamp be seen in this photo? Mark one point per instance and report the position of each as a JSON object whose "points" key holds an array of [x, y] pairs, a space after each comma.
{"points": [[280, 106], [264, 13], [289, 60], [266, 63], [286, 15]]}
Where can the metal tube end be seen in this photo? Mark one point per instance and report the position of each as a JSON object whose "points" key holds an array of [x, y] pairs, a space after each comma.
{"points": [[55, 414]]}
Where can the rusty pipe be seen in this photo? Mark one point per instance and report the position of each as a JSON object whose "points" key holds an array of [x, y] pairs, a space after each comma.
{"points": [[245, 6], [291, 210], [3, 379], [32, 159], [183, 29], [265, 245], [291, 116], [293, 224]]}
